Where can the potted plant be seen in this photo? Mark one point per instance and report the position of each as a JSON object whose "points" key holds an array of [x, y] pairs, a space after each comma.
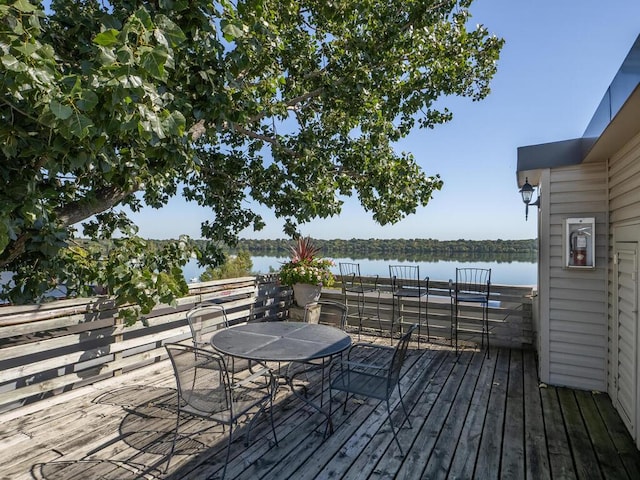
{"points": [[306, 272]]}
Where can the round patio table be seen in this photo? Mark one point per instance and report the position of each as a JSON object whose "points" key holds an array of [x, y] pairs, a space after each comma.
{"points": [[283, 342]]}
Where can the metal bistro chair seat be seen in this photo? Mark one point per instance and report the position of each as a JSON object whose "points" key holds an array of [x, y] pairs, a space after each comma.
{"points": [[473, 285], [377, 379]]}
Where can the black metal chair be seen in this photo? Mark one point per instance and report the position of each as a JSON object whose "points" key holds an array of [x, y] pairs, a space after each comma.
{"points": [[407, 283], [205, 319], [377, 379], [352, 284], [208, 393], [325, 312], [472, 286]]}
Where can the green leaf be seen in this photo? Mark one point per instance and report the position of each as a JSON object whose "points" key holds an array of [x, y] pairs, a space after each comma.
{"points": [[107, 56], [13, 64], [108, 38], [10, 149], [87, 101], [155, 125], [174, 124], [143, 15], [153, 62], [79, 125], [27, 49], [44, 75], [60, 111], [172, 32], [24, 6], [232, 31]]}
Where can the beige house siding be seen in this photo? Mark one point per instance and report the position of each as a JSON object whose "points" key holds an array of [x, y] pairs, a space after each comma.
{"points": [[575, 307], [624, 204], [541, 322], [624, 183]]}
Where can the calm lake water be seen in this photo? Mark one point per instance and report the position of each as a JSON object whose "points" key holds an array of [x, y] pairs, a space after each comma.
{"points": [[506, 272]]}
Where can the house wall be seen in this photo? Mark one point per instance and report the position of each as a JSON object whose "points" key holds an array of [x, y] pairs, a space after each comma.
{"points": [[573, 303], [624, 203]]}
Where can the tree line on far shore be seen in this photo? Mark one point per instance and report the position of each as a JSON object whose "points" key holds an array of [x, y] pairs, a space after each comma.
{"points": [[400, 249], [376, 248], [380, 248]]}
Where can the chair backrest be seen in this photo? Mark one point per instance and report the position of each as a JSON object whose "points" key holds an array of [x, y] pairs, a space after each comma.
{"points": [[202, 379], [326, 312], [405, 277], [205, 319], [397, 361], [350, 274], [473, 280]]}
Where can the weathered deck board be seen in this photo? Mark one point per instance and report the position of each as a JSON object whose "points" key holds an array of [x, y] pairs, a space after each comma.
{"points": [[619, 435], [468, 443], [558, 447], [582, 450], [439, 462], [536, 454], [513, 458], [610, 462], [472, 416], [488, 463]]}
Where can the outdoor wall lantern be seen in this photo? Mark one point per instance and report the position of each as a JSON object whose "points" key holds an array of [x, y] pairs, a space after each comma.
{"points": [[527, 192]]}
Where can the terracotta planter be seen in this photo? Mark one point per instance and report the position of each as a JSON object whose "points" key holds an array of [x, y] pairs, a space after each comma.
{"points": [[304, 293]]}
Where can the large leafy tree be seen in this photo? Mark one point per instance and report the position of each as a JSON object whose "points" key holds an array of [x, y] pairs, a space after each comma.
{"points": [[293, 104]]}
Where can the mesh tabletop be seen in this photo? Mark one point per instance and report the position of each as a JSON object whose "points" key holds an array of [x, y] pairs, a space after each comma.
{"points": [[281, 341]]}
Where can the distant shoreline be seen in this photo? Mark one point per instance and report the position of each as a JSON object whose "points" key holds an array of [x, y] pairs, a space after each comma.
{"points": [[383, 247]]}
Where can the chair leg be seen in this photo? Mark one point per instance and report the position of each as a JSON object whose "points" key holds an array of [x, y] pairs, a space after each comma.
{"points": [[483, 328], [175, 437], [322, 383], [457, 312], [419, 321], [486, 322], [274, 388], [393, 315], [426, 318], [378, 312], [406, 415], [451, 320], [226, 460], [360, 312], [393, 430], [247, 439]]}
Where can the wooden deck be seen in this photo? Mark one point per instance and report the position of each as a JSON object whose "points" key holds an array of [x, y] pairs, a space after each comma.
{"points": [[472, 417]]}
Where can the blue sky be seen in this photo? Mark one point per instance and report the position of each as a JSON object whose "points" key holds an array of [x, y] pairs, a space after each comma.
{"points": [[559, 58]]}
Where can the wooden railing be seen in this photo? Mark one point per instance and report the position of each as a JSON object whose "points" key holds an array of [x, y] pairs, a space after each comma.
{"points": [[510, 312], [60, 346]]}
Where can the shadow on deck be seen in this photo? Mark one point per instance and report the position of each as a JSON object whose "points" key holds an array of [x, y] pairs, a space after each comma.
{"points": [[471, 416]]}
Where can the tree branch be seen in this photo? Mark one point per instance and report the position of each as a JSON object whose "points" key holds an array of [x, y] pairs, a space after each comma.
{"points": [[258, 136], [20, 111], [14, 250], [104, 199]]}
